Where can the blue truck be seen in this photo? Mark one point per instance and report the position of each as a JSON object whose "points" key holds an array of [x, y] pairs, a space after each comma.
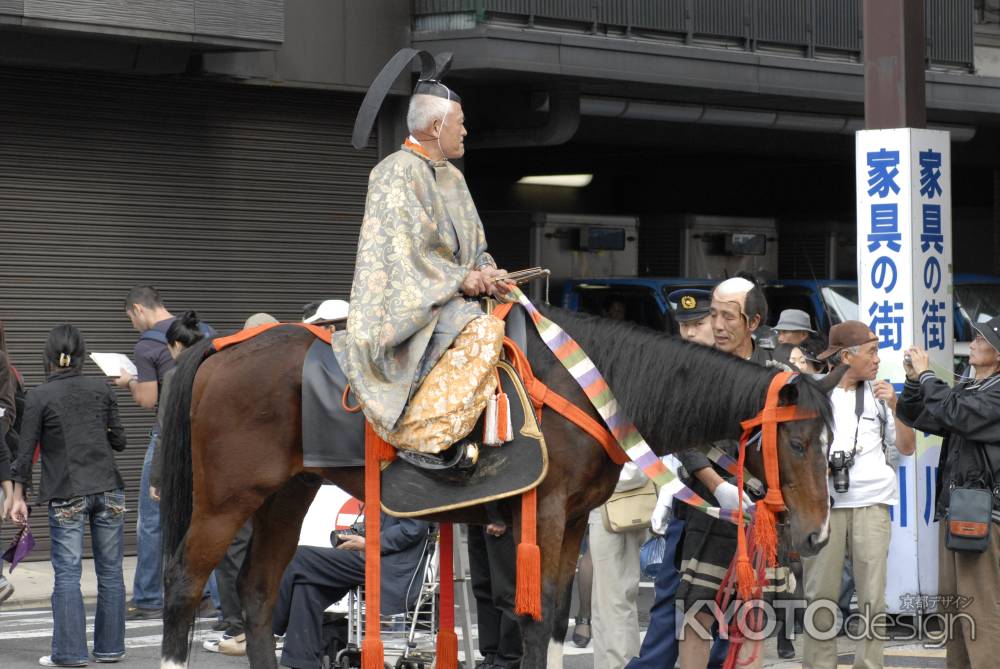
{"points": [[827, 302]]}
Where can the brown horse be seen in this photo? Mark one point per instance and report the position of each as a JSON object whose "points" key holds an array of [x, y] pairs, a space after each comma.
{"points": [[232, 440]]}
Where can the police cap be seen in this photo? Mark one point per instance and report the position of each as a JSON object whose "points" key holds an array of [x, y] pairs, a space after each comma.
{"points": [[690, 304]]}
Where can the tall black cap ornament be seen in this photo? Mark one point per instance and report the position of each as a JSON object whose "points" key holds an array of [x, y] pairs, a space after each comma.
{"points": [[432, 69]]}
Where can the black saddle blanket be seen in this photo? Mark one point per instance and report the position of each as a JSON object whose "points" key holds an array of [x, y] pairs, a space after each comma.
{"points": [[333, 437]]}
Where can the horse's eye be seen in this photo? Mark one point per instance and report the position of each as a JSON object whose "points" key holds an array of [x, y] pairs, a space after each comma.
{"points": [[797, 446]]}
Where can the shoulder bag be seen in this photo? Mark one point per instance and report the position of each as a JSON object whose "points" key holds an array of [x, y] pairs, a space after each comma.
{"points": [[629, 510], [970, 513]]}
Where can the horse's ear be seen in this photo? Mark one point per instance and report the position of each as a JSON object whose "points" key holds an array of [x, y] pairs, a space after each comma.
{"points": [[830, 381], [788, 395]]}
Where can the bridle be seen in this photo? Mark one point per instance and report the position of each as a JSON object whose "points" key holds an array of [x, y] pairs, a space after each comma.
{"points": [[773, 503]]}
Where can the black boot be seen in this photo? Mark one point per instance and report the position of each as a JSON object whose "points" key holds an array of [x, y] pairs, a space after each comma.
{"points": [[786, 650], [462, 456]]}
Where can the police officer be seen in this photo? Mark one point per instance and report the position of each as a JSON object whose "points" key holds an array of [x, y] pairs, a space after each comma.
{"points": [[659, 648], [691, 307]]}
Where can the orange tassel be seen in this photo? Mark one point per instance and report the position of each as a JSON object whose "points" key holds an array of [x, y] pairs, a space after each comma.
{"points": [[746, 577], [528, 591], [372, 653], [503, 418], [528, 596], [766, 533], [447, 640], [447, 649]]}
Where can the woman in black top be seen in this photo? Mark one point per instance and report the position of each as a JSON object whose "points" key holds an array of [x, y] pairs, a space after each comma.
{"points": [[75, 418]]}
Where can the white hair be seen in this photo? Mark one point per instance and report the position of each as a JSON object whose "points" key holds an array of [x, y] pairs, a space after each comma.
{"points": [[853, 350], [424, 110]]}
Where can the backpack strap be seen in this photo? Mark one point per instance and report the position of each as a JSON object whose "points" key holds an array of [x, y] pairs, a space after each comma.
{"points": [[161, 337], [154, 335]]}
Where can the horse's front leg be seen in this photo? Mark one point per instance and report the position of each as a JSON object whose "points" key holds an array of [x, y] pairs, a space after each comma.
{"points": [[537, 635], [572, 538], [276, 529]]}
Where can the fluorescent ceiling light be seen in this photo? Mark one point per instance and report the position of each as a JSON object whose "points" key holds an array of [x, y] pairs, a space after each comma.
{"points": [[563, 180]]}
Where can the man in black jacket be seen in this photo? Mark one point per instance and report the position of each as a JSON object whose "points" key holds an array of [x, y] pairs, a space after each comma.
{"points": [[968, 417], [318, 577]]}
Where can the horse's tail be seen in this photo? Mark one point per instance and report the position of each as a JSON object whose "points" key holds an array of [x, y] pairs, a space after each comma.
{"points": [[175, 432]]}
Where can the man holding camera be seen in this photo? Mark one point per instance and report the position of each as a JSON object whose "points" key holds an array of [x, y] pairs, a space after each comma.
{"points": [[319, 576], [863, 487]]}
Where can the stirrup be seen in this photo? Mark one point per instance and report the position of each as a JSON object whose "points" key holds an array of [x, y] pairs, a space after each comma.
{"points": [[462, 456]]}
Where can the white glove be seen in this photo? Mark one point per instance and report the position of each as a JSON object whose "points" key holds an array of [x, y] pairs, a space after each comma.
{"points": [[662, 512], [729, 497]]}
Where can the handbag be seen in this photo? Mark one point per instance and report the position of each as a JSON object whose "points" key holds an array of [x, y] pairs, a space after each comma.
{"points": [[970, 514], [629, 510], [19, 548]]}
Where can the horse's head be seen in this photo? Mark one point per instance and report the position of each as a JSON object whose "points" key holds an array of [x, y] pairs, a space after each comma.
{"points": [[802, 462]]}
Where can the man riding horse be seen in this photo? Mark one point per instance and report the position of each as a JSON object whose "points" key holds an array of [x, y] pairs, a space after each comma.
{"points": [[419, 351]]}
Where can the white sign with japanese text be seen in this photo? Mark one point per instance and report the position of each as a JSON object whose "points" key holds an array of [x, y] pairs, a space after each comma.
{"points": [[905, 295]]}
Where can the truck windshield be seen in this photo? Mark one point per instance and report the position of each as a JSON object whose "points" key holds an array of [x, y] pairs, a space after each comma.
{"points": [[841, 303], [623, 302]]}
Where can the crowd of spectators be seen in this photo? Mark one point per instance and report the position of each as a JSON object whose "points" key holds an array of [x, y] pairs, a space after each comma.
{"points": [[73, 421]]}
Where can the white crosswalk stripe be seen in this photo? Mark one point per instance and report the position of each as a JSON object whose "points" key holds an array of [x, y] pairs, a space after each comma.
{"points": [[36, 624]]}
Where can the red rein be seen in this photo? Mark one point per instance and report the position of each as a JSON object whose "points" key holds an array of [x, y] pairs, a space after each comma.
{"points": [[750, 575]]}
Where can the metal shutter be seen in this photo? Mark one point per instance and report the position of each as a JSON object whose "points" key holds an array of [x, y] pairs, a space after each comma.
{"points": [[231, 199]]}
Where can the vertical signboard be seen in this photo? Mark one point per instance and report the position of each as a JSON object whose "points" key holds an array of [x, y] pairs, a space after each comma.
{"points": [[905, 296]]}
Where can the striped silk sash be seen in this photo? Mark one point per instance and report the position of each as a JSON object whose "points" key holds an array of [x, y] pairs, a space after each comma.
{"points": [[662, 472], [729, 463]]}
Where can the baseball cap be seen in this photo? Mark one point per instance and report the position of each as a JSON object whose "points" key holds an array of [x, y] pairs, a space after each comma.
{"points": [[329, 310], [990, 330], [845, 335]]}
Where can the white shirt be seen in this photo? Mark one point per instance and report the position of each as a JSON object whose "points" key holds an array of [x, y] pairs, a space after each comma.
{"points": [[631, 478], [872, 480]]}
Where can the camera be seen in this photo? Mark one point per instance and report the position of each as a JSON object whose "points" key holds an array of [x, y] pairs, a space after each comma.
{"points": [[357, 529], [840, 466]]}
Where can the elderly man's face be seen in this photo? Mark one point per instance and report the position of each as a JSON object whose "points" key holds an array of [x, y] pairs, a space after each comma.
{"points": [[864, 364], [982, 353], [451, 132], [729, 327], [698, 331], [793, 337]]}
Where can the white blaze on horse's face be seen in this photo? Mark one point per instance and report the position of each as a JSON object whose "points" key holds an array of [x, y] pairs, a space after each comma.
{"points": [[824, 443]]}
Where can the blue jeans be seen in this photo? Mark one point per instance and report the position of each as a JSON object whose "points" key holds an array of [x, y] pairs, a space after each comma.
{"points": [[105, 513], [659, 647], [147, 588]]}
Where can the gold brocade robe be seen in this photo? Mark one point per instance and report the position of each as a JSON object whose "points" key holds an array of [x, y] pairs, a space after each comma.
{"points": [[420, 237]]}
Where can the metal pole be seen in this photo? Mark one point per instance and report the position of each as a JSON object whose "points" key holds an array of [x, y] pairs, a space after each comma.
{"points": [[894, 45], [465, 595]]}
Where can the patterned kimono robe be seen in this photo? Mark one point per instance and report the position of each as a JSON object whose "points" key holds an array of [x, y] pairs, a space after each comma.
{"points": [[420, 237]]}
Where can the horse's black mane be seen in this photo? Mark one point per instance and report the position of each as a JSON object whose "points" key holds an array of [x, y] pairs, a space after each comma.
{"points": [[677, 393]]}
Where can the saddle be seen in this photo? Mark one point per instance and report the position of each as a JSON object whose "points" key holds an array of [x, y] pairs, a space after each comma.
{"points": [[411, 488]]}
